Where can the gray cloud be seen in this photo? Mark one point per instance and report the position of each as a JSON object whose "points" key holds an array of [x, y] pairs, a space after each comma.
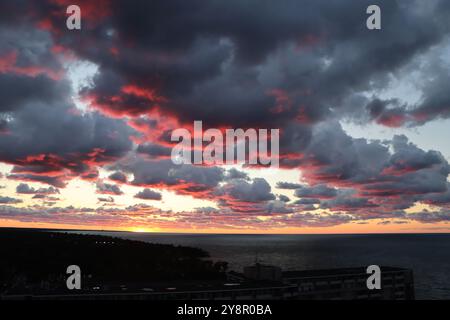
{"points": [[26, 189], [106, 199], [148, 194], [254, 191], [106, 188], [318, 191], [118, 176], [9, 200], [289, 185]]}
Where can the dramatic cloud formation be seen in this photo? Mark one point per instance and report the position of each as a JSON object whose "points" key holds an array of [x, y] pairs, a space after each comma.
{"points": [[26, 189], [9, 200], [148, 194], [106, 188], [306, 68], [319, 191], [118, 177]]}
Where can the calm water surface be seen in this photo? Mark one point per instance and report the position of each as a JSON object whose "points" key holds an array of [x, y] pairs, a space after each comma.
{"points": [[427, 255]]}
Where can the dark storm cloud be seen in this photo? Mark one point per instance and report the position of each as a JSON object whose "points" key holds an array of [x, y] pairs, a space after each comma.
{"points": [[438, 198], [148, 194], [289, 185], [335, 156], [27, 51], [402, 176], [283, 198], [154, 150], [106, 199], [53, 141], [427, 216], [274, 207], [54, 129], [106, 188], [436, 100], [308, 219], [251, 63], [19, 90], [204, 217], [385, 112], [236, 174], [183, 179], [205, 176], [39, 196], [26, 189], [58, 182], [411, 170], [307, 201], [319, 191], [9, 200], [431, 71], [376, 177], [255, 191], [118, 177], [50, 138], [149, 172], [221, 61], [347, 204]]}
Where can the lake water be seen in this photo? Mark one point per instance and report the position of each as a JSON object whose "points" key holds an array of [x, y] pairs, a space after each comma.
{"points": [[428, 255]]}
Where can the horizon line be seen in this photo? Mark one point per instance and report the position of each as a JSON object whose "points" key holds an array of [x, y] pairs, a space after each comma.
{"points": [[231, 233]]}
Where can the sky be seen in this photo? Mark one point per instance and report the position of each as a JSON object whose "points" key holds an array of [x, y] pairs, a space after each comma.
{"points": [[86, 115]]}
